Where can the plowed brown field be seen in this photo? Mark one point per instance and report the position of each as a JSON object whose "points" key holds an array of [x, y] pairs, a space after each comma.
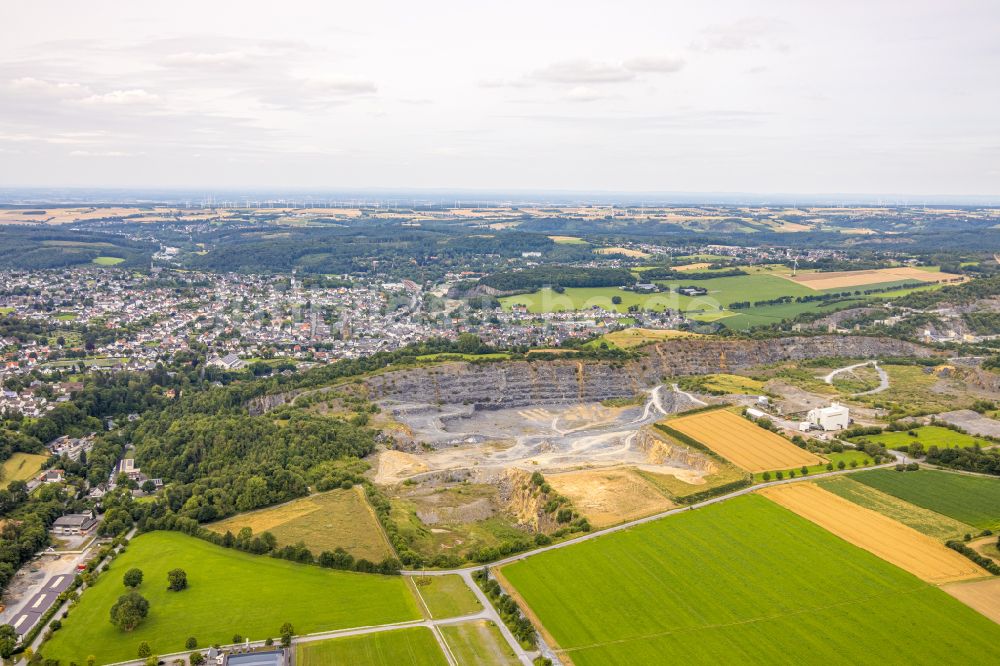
{"points": [[742, 443], [894, 542], [983, 596]]}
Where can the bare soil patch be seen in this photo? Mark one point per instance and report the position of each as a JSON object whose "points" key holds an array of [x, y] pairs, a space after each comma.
{"points": [[610, 496], [982, 595]]}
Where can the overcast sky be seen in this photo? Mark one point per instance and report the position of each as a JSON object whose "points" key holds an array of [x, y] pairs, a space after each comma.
{"points": [[862, 96]]}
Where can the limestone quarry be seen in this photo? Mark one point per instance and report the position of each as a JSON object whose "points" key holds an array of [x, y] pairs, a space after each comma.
{"points": [[459, 439]]}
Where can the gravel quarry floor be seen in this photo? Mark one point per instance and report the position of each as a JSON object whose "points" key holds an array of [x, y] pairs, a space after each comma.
{"points": [[547, 437]]}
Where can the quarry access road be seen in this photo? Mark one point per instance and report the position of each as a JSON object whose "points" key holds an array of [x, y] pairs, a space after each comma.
{"points": [[883, 377]]}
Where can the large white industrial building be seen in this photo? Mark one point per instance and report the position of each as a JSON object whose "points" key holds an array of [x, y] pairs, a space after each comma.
{"points": [[834, 417]]}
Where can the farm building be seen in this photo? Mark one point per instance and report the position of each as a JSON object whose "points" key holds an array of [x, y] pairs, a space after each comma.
{"points": [[73, 524], [834, 417]]}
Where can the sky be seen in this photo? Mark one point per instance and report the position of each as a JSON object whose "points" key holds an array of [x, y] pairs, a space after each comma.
{"points": [[853, 96]]}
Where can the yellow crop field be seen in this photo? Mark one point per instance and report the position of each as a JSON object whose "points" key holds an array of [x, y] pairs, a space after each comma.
{"points": [[627, 338], [638, 254], [840, 279], [741, 442], [880, 535], [702, 265]]}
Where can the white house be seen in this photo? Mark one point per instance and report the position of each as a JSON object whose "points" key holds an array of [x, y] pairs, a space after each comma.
{"points": [[834, 417]]}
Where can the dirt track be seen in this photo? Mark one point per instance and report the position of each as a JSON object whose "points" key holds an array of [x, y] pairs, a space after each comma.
{"points": [[892, 541], [742, 443]]}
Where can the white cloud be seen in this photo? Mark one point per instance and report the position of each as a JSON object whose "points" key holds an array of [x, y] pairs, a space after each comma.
{"points": [[101, 153], [583, 71], [28, 85], [655, 64], [338, 87], [200, 59], [747, 33], [584, 94], [135, 96]]}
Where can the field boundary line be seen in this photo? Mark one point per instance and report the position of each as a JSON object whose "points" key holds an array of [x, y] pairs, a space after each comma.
{"points": [[371, 510]]}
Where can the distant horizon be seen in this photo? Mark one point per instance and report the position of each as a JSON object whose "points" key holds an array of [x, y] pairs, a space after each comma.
{"points": [[237, 197]]}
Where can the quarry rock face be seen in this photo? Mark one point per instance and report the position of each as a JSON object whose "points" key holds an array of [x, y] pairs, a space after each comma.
{"points": [[500, 385]]}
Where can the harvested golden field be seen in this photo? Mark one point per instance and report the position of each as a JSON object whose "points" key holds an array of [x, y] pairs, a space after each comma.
{"points": [[741, 442], [324, 521], [627, 338], [894, 542], [638, 254], [981, 595], [692, 267], [841, 279], [610, 496]]}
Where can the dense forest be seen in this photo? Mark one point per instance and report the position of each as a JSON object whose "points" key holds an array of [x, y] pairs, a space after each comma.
{"points": [[30, 248], [530, 279]]}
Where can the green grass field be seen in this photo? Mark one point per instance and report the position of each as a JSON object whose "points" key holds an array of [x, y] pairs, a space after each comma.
{"points": [[20, 467], [931, 523], [108, 261], [447, 596], [413, 646], [974, 500], [929, 436], [230, 592], [743, 581], [478, 643]]}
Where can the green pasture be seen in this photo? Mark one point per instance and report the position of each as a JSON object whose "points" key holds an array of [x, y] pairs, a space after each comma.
{"points": [[413, 646], [722, 292], [478, 643], [20, 467], [743, 581], [929, 436], [446, 596], [974, 500], [230, 592]]}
